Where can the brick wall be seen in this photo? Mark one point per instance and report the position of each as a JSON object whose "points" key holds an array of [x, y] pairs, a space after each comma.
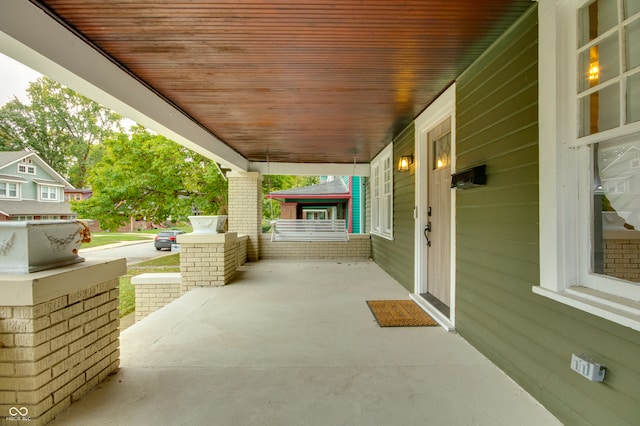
{"points": [[358, 247], [241, 249], [155, 290], [53, 352], [622, 258], [288, 210]]}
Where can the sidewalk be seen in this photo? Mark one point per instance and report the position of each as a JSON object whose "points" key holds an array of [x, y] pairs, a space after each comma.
{"points": [[120, 244]]}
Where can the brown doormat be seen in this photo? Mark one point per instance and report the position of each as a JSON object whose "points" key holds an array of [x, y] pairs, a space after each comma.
{"points": [[399, 313]]}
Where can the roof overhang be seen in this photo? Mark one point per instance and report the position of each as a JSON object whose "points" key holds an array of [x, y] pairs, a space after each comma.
{"points": [[314, 87]]}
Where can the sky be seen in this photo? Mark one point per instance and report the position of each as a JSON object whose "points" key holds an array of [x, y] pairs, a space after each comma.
{"points": [[14, 79]]}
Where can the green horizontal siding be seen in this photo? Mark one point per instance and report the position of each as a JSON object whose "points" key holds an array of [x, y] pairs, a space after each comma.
{"points": [[497, 254], [396, 257]]}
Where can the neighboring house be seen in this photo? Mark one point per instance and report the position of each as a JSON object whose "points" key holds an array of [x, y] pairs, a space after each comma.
{"points": [[333, 198], [72, 194], [30, 189]]}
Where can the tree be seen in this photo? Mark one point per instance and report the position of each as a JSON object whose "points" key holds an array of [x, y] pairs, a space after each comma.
{"points": [[146, 175], [64, 128]]}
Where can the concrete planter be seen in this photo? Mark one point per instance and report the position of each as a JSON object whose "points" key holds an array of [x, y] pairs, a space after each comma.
{"points": [[208, 224], [39, 245]]}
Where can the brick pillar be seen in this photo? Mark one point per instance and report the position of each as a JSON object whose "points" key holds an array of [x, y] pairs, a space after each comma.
{"points": [[207, 260], [59, 338], [245, 208]]}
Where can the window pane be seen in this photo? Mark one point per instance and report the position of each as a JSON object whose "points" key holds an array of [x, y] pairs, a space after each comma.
{"points": [[631, 7], [599, 63], [595, 19], [616, 218], [633, 98], [632, 34], [600, 110], [388, 207]]}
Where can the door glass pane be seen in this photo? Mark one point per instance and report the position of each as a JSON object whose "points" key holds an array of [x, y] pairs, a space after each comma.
{"points": [[631, 7], [599, 63], [596, 18], [616, 205], [600, 110], [442, 152], [440, 141], [633, 98]]}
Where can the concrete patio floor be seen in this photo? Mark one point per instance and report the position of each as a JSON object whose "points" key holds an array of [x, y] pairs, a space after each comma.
{"points": [[294, 343]]}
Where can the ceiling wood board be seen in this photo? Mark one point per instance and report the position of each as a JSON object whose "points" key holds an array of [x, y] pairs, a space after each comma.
{"points": [[294, 81]]}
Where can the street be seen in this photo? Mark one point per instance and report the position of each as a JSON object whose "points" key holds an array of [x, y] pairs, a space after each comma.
{"points": [[133, 251]]}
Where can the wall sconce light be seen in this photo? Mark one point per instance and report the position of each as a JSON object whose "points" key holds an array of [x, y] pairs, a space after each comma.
{"points": [[405, 162]]}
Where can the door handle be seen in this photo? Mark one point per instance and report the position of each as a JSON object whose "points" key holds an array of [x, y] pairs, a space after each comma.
{"points": [[427, 228]]}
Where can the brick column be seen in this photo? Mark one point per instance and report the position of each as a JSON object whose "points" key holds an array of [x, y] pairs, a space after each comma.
{"points": [[207, 260], [245, 208], [58, 338]]}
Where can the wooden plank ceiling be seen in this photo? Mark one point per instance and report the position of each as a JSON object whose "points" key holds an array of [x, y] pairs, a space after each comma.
{"points": [[294, 80]]}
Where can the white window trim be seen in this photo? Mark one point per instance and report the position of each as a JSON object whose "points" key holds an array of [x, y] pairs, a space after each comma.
{"points": [[560, 255], [49, 200], [7, 197], [384, 210], [29, 169]]}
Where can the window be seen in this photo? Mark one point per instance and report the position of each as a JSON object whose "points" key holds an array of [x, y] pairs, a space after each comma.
{"points": [[382, 194], [26, 169], [316, 214], [8, 190], [590, 156], [48, 193]]}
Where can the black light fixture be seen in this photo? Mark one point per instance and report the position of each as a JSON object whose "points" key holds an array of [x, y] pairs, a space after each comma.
{"points": [[405, 162]]}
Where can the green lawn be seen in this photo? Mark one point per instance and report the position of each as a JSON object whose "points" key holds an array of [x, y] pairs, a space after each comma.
{"points": [[168, 263]]}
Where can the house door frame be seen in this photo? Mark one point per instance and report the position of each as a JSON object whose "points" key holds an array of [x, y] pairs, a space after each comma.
{"points": [[441, 109]]}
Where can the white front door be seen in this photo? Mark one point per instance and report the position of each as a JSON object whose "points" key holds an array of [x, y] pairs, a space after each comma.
{"points": [[437, 232], [435, 212]]}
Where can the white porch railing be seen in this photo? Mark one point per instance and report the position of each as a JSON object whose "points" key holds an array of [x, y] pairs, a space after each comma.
{"points": [[309, 230]]}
